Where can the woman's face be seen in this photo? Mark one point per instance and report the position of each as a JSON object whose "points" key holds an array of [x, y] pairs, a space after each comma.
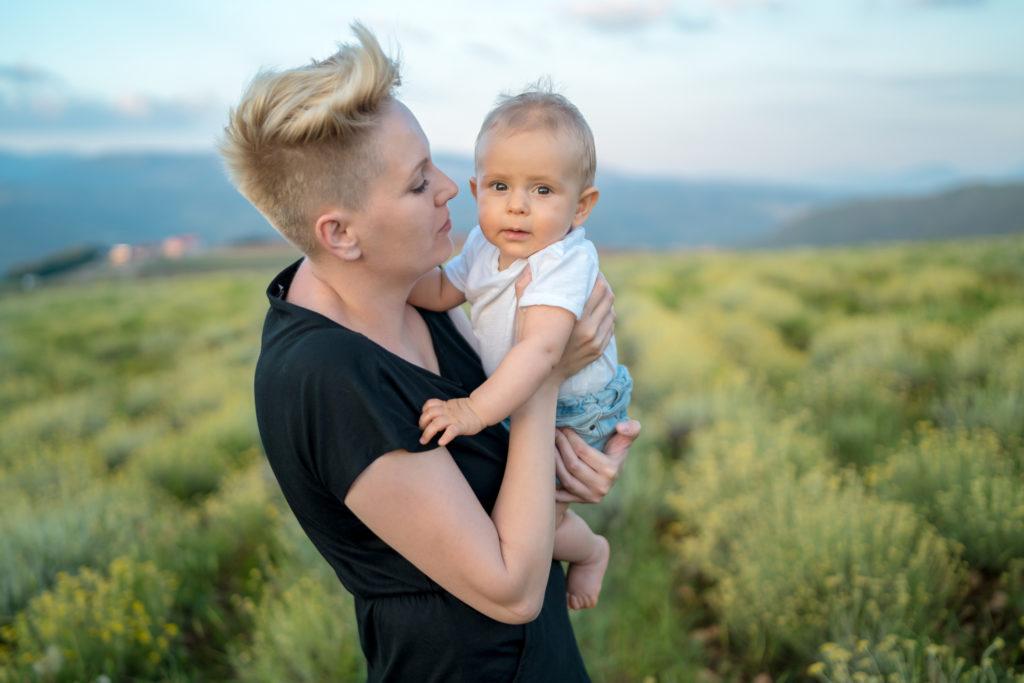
{"points": [[405, 222]]}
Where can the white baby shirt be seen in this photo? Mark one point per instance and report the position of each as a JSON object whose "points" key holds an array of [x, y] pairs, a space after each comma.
{"points": [[563, 275]]}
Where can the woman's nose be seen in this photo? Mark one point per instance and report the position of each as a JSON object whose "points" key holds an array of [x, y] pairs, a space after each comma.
{"points": [[447, 189]]}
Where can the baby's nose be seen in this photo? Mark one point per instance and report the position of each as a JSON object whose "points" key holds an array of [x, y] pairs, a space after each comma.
{"points": [[518, 202]]}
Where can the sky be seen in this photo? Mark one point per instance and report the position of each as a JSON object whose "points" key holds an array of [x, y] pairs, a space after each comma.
{"points": [[747, 89]]}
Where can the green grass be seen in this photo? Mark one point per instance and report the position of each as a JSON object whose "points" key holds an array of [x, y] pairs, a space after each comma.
{"points": [[831, 463]]}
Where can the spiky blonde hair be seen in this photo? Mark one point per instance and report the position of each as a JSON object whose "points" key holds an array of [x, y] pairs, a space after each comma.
{"points": [[539, 106], [301, 138]]}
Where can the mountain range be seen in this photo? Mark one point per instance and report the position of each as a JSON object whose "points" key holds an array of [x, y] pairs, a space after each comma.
{"points": [[50, 203]]}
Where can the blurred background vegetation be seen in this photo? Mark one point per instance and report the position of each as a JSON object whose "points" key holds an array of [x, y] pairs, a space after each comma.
{"points": [[828, 485]]}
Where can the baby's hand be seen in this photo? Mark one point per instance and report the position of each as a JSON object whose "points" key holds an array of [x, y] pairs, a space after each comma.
{"points": [[455, 417]]}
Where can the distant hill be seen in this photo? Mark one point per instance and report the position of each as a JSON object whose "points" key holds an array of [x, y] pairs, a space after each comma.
{"points": [[989, 209], [653, 213], [50, 203]]}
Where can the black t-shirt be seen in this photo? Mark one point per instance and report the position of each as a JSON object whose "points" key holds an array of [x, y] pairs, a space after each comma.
{"points": [[329, 402]]}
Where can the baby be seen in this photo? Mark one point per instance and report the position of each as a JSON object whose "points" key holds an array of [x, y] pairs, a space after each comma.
{"points": [[534, 187]]}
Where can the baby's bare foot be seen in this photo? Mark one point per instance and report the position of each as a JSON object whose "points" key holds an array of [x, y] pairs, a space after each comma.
{"points": [[584, 579]]}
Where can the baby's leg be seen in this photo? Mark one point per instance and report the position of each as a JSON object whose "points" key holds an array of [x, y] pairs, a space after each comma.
{"points": [[587, 554]]}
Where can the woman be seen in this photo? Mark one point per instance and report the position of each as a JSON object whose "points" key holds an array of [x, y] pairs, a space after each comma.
{"points": [[447, 551]]}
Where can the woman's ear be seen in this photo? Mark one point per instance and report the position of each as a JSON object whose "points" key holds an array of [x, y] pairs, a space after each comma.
{"points": [[334, 233], [585, 204]]}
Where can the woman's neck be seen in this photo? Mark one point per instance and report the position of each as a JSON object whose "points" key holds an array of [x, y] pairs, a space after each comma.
{"points": [[355, 300]]}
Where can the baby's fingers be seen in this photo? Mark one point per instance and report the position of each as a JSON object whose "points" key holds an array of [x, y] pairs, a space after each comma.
{"points": [[435, 425], [450, 433], [432, 409]]}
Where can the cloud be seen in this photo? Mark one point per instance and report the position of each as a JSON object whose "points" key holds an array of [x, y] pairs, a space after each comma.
{"points": [[950, 3], [24, 75], [486, 52], [990, 88], [741, 4], [621, 15], [33, 100]]}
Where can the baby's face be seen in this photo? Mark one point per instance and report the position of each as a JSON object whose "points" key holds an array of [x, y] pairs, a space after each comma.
{"points": [[527, 190]]}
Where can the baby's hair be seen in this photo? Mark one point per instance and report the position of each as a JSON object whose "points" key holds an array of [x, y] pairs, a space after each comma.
{"points": [[539, 106], [300, 138]]}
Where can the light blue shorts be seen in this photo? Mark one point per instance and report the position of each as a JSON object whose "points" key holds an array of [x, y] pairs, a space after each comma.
{"points": [[594, 416]]}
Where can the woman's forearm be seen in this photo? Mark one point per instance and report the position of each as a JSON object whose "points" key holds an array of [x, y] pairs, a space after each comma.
{"points": [[524, 512]]}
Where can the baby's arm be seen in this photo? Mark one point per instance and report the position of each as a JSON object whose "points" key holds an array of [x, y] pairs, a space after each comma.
{"points": [[544, 332], [435, 292]]}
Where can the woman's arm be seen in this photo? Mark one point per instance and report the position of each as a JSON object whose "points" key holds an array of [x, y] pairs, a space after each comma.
{"points": [[435, 292], [545, 330], [421, 505]]}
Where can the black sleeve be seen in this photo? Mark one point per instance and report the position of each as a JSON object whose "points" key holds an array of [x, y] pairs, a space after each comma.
{"points": [[362, 407], [333, 402]]}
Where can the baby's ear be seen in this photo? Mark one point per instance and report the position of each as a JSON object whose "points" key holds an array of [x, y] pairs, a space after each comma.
{"points": [[585, 204], [472, 186]]}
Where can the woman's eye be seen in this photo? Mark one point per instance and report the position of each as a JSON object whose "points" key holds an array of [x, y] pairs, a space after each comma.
{"points": [[422, 187]]}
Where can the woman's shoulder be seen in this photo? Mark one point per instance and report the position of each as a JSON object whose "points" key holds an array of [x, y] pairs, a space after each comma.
{"points": [[312, 356]]}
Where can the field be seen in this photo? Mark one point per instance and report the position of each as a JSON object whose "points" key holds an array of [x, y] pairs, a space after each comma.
{"points": [[829, 485]]}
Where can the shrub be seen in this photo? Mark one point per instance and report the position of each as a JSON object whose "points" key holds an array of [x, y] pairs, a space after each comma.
{"points": [[770, 304], [116, 624], [217, 542], [871, 378], [750, 344], [890, 659], [822, 561], [40, 538], [721, 487], [797, 553], [668, 352], [192, 463], [926, 285], [964, 484], [989, 368], [62, 419], [181, 466], [303, 631], [640, 631], [997, 339], [122, 440]]}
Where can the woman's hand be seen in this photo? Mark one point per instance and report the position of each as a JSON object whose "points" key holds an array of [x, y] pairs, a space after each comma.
{"points": [[585, 474], [591, 333]]}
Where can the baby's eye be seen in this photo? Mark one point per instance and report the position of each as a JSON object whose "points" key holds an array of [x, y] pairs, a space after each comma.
{"points": [[500, 186], [543, 189]]}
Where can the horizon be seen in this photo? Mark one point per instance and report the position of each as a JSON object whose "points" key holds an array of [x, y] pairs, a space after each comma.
{"points": [[924, 177], [774, 90]]}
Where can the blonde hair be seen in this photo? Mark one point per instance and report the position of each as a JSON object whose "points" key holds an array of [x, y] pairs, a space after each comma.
{"points": [[301, 138], [540, 107]]}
